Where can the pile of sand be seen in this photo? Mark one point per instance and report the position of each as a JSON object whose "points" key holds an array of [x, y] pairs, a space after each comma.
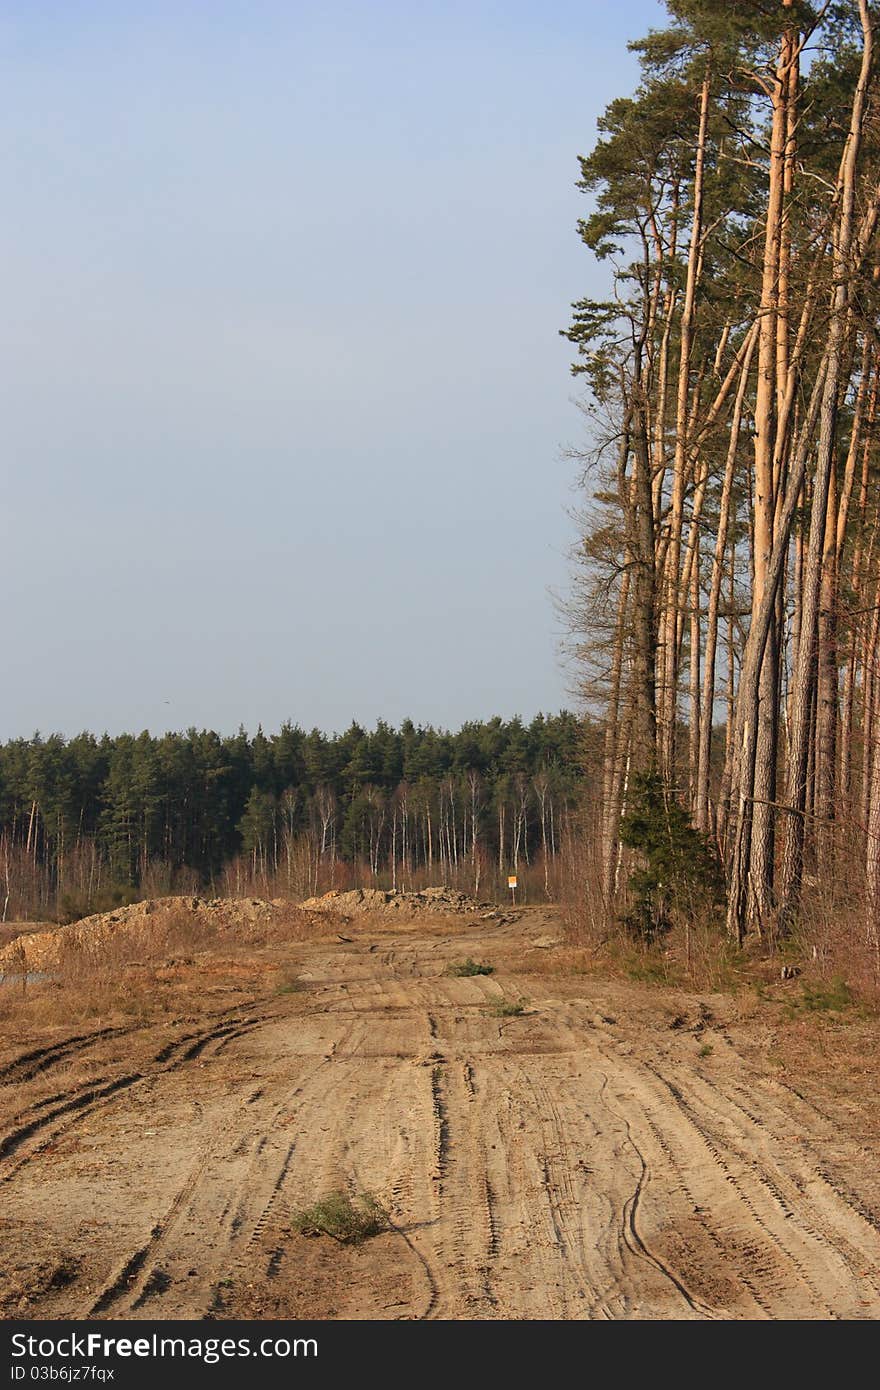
{"points": [[357, 901], [243, 918], [143, 926]]}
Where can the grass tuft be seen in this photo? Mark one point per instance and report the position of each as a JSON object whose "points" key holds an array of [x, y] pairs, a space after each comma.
{"points": [[469, 967], [347, 1219], [507, 1008], [289, 981], [824, 997]]}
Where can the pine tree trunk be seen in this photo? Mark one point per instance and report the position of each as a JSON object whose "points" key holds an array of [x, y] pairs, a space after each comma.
{"points": [[701, 799], [759, 869], [672, 597], [813, 569], [614, 734]]}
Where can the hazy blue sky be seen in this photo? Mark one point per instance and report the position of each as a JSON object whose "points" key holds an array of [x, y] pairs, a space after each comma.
{"points": [[283, 396]]}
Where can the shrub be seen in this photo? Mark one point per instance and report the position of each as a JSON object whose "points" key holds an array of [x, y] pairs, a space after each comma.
{"points": [[679, 875], [469, 967], [347, 1219], [506, 1008], [75, 906]]}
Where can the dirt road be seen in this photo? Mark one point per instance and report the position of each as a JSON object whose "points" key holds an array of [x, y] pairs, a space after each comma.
{"points": [[611, 1152]]}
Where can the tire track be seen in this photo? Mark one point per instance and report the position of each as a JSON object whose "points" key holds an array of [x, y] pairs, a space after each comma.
{"points": [[824, 1229], [570, 1212], [529, 1246], [467, 1237], [30, 1064], [560, 1166], [141, 1275], [634, 1237], [753, 1190], [726, 1255], [85, 1101]]}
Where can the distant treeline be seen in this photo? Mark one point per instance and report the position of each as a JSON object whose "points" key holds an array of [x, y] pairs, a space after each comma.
{"points": [[84, 818]]}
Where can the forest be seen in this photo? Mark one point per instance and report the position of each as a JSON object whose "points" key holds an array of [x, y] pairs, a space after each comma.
{"points": [[726, 609], [86, 822], [724, 766]]}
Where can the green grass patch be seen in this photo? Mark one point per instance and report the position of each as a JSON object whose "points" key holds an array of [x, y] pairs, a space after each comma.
{"points": [[289, 981], [824, 996], [347, 1219], [648, 972], [508, 1008], [706, 1050], [469, 967]]}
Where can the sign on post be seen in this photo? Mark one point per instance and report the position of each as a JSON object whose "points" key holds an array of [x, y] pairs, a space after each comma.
{"points": [[511, 883]]}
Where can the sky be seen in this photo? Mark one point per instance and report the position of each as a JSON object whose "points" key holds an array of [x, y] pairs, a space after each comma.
{"points": [[284, 404]]}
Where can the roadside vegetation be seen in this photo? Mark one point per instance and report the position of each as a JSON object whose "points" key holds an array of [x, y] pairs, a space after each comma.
{"points": [[725, 602], [178, 957]]}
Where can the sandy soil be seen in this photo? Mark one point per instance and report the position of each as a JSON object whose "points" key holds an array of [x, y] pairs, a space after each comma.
{"points": [[15, 931], [615, 1151]]}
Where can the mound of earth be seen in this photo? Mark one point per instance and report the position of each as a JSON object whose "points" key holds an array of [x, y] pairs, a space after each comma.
{"points": [[241, 917], [356, 901]]}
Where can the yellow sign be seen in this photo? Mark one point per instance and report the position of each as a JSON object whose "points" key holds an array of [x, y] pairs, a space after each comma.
{"points": [[511, 882]]}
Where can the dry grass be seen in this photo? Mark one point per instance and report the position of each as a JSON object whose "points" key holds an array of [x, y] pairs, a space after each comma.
{"points": [[699, 958], [67, 1077], [831, 943], [584, 912], [290, 923], [507, 1008], [143, 967], [558, 960]]}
